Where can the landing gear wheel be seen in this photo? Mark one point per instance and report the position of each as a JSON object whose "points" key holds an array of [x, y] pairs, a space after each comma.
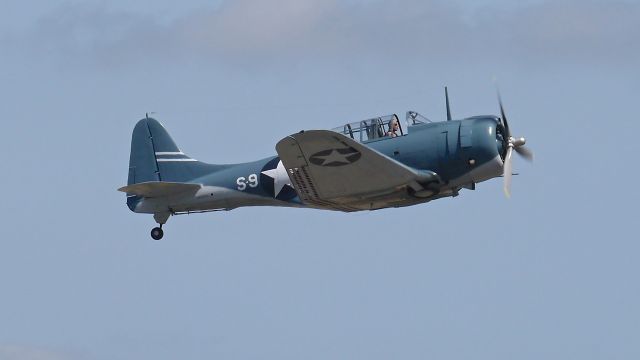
{"points": [[157, 233]]}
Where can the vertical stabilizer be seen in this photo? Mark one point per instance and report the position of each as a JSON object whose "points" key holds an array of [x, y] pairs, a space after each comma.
{"points": [[156, 157]]}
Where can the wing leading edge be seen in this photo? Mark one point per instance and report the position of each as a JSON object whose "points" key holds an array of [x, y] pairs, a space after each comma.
{"points": [[330, 170]]}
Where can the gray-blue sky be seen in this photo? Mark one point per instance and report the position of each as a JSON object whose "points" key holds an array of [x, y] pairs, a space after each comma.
{"points": [[550, 273]]}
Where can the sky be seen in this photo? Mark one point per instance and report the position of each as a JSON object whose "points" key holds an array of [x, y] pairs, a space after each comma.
{"points": [[550, 273]]}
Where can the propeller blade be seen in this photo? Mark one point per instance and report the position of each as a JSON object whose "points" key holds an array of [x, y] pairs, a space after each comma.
{"points": [[507, 172], [525, 152], [504, 116]]}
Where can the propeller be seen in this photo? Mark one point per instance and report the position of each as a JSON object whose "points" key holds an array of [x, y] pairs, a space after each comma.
{"points": [[512, 144]]}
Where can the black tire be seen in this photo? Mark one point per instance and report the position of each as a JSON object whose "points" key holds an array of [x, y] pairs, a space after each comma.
{"points": [[157, 233]]}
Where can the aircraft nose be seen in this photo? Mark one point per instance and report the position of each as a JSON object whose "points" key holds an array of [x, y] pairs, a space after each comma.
{"points": [[486, 145]]}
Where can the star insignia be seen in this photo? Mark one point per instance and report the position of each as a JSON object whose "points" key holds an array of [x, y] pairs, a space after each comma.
{"points": [[280, 178], [335, 157]]}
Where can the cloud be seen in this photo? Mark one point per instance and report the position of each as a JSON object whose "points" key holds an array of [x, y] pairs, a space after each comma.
{"points": [[578, 31], [254, 26], [249, 31]]}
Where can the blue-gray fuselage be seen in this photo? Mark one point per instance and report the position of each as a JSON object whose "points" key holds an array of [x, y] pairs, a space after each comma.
{"points": [[461, 152]]}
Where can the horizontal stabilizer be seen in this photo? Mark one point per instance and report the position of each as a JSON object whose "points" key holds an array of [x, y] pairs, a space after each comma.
{"points": [[153, 189]]}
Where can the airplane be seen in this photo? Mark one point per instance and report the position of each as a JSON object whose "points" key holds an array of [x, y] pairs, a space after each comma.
{"points": [[364, 165]]}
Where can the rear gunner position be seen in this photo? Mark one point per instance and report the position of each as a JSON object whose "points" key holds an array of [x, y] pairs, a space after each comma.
{"points": [[358, 166]]}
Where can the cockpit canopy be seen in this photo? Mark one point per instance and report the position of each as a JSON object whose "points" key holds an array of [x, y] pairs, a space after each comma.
{"points": [[379, 127]]}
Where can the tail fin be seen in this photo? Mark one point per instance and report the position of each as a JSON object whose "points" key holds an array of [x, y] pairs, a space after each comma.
{"points": [[155, 157]]}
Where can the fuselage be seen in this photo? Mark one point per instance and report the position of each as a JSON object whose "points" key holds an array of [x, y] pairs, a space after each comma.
{"points": [[462, 152]]}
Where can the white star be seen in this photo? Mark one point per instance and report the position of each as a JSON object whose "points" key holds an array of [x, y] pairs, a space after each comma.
{"points": [[280, 178]]}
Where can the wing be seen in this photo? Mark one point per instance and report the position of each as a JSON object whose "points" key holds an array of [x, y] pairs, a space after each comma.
{"points": [[154, 189], [330, 170]]}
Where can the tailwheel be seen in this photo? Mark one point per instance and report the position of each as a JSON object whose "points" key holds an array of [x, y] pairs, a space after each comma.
{"points": [[157, 233]]}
